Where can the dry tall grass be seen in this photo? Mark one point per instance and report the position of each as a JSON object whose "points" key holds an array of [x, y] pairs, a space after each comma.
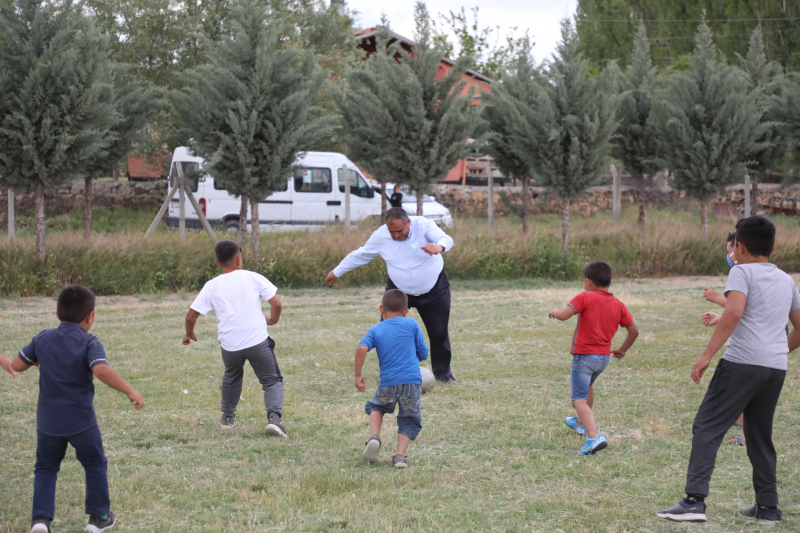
{"points": [[126, 263]]}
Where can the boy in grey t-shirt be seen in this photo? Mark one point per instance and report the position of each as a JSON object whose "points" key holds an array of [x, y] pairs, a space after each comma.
{"points": [[750, 375]]}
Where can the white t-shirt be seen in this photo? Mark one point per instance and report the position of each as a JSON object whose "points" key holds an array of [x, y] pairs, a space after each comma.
{"points": [[236, 298]]}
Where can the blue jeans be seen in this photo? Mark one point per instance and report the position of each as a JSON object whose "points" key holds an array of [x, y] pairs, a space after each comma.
{"points": [[50, 452], [585, 369], [409, 420]]}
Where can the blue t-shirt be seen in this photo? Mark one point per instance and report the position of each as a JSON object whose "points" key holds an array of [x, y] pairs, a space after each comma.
{"points": [[66, 356], [400, 346]]}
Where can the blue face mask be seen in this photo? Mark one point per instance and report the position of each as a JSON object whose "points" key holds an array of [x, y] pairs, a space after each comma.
{"points": [[728, 259]]}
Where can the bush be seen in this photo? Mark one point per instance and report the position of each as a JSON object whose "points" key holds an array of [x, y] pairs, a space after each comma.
{"points": [[126, 263]]}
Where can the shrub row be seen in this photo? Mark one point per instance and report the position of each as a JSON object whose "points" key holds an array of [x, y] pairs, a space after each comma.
{"points": [[126, 263]]}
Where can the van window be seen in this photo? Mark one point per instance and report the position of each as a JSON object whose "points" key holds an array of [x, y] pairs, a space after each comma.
{"points": [[220, 187], [358, 185], [313, 180], [191, 171]]}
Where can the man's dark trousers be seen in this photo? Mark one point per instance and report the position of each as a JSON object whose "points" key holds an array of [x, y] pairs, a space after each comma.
{"points": [[434, 309], [737, 388]]}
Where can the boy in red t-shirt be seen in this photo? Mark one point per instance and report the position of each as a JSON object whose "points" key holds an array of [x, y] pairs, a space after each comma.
{"points": [[600, 315]]}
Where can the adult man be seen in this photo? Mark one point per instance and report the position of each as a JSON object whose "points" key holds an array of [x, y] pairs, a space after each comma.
{"points": [[412, 248]]}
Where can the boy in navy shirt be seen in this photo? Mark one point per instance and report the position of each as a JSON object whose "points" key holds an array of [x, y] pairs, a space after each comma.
{"points": [[67, 357], [400, 347]]}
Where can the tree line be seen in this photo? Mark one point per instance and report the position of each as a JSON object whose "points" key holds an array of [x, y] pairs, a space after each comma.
{"points": [[254, 83]]}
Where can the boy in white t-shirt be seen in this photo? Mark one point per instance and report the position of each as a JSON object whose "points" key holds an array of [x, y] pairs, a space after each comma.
{"points": [[236, 297]]}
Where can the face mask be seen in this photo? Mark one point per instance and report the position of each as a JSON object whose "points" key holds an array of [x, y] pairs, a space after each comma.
{"points": [[728, 259]]}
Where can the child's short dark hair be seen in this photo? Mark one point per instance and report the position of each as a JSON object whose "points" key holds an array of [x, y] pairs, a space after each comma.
{"points": [[731, 238], [757, 234], [226, 251], [599, 272], [394, 301], [74, 303]]}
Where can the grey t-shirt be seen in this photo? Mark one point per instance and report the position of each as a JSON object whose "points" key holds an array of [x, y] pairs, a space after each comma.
{"points": [[760, 337]]}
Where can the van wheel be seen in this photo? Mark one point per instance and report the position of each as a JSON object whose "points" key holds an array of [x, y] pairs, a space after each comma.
{"points": [[230, 225]]}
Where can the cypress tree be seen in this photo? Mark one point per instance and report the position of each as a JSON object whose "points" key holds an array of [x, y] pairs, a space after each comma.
{"points": [[789, 107], [134, 106], [765, 80], [418, 125], [516, 89], [54, 117], [248, 111], [635, 141], [708, 124], [563, 133]]}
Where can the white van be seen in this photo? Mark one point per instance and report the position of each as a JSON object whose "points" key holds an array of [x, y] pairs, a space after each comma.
{"points": [[312, 197]]}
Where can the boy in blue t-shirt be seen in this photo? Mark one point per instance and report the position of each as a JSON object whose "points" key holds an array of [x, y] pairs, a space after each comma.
{"points": [[400, 346], [67, 357]]}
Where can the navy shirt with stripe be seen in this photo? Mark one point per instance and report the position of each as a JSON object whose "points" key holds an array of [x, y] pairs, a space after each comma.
{"points": [[66, 355]]}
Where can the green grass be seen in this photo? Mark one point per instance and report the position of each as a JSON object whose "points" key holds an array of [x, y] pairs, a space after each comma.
{"points": [[494, 454]]}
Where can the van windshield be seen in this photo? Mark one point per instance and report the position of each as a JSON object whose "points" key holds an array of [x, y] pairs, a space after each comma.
{"points": [[191, 171]]}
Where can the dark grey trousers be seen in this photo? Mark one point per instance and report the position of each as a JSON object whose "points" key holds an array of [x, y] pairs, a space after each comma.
{"points": [[734, 389], [262, 360]]}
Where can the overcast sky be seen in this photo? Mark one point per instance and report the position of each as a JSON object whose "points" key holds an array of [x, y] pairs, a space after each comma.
{"points": [[541, 17]]}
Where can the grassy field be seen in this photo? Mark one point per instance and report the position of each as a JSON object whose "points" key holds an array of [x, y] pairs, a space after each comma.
{"points": [[494, 454]]}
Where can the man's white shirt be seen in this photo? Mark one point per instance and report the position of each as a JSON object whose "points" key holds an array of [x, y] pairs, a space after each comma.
{"points": [[236, 298], [410, 268]]}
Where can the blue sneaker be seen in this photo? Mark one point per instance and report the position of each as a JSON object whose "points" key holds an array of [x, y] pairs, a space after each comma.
{"points": [[594, 445], [685, 512], [572, 422]]}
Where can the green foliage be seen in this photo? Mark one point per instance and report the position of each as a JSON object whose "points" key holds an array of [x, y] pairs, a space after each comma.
{"points": [[398, 120], [789, 106], [766, 82], [635, 140], [608, 28], [478, 43], [708, 124], [516, 91], [563, 133], [55, 115], [247, 112]]}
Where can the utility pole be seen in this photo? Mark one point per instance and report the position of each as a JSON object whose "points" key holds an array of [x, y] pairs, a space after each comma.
{"points": [[490, 206]]}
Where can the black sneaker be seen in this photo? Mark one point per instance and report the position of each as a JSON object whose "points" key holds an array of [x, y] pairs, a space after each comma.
{"points": [[97, 524], [226, 422], [447, 378], [400, 461], [373, 446], [275, 428], [765, 515], [40, 525], [685, 512]]}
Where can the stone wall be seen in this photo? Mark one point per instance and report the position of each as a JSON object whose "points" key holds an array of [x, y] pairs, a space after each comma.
{"points": [[474, 200], [105, 193]]}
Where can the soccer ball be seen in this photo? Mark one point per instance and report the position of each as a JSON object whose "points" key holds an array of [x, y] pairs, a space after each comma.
{"points": [[428, 381]]}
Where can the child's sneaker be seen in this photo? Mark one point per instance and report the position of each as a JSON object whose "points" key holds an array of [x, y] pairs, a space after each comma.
{"points": [[768, 516], [226, 422], [572, 422], [275, 428], [685, 512], [40, 525], [97, 524], [400, 461], [373, 445], [594, 445]]}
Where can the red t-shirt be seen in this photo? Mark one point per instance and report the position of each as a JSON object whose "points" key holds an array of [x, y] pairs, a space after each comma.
{"points": [[599, 316]]}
